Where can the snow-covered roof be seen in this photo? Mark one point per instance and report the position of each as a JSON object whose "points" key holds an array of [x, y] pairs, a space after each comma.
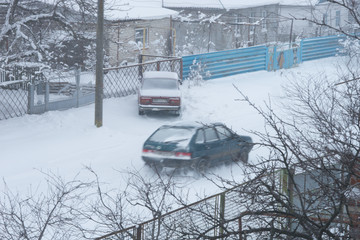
{"points": [[134, 9], [233, 4]]}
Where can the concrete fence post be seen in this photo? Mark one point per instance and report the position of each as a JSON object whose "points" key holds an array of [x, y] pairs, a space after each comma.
{"points": [[47, 94], [30, 98], [77, 79]]}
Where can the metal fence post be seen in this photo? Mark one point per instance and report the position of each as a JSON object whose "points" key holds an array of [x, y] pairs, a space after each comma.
{"points": [[240, 228], [30, 98], [301, 50], [138, 232], [77, 79], [222, 214], [267, 59], [140, 66], [275, 59], [157, 66]]}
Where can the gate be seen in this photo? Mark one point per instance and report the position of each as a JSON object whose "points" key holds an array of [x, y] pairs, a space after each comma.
{"points": [[283, 59]]}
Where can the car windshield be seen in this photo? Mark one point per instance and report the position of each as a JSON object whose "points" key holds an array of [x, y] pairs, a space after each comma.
{"points": [[179, 135], [162, 83]]}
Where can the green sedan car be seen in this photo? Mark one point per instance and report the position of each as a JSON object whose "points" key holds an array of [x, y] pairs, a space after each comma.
{"points": [[195, 145]]}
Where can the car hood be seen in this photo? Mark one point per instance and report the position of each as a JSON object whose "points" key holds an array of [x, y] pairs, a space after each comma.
{"points": [[160, 93]]}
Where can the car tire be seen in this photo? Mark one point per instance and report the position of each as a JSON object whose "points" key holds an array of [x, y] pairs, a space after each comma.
{"points": [[141, 112], [202, 165]]}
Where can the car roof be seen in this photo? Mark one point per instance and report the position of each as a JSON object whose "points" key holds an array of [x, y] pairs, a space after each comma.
{"points": [[160, 74], [192, 124]]}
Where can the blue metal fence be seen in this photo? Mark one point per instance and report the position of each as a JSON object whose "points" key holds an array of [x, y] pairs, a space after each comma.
{"points": [[237, 61], [320, 47], [225, 63]]}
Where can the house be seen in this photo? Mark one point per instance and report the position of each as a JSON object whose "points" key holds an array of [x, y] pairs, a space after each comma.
{"points": [[137, 29], [336, 16], [227, 24]]}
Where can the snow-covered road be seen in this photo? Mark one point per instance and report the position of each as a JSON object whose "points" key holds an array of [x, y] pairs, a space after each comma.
{"points": [[64, 142]]}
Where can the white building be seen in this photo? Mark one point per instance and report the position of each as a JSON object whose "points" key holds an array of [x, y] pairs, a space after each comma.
{"points": [[135, 29]]}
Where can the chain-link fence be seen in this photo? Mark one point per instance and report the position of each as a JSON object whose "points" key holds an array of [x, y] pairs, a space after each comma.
{"points": [[124, 81], [13, 99], [37, 92]]}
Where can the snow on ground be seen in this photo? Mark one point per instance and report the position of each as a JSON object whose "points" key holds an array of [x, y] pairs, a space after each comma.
{"points": [[65, 142]]}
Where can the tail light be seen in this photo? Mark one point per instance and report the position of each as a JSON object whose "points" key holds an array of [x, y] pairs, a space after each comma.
{"points": [[147, 151], [185, 155], [145, 100], [174, 101]]}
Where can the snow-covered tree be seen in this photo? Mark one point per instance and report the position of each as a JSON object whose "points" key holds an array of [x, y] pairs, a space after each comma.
{"points": [[55, 32]]}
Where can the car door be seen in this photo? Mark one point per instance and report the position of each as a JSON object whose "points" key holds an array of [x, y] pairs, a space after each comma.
{"points": [[229, 144], [213, 146]]}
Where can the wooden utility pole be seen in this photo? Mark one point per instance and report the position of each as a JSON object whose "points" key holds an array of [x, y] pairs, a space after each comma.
{"points": [[99, 65]]}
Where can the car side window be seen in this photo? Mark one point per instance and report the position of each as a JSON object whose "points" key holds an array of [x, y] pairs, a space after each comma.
{"points": [[200, 137], [223, 132], [210, 135]]}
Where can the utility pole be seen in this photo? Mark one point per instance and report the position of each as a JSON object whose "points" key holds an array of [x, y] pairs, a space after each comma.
{"points": [[99, 66]]}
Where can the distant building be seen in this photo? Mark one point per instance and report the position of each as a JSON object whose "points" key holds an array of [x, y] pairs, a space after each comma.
{"points": [[217, 25], [134, 30], [336, 16]]}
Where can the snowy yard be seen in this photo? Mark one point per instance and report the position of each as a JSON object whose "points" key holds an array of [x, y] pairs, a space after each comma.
{"points": [[65, 142]]}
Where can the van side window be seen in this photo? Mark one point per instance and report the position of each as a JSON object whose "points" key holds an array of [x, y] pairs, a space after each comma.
{"points": [[210, 135]]}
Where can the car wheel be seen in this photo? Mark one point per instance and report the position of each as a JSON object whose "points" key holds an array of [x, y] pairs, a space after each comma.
{"points": [[177, 113], [141, 112], [202, 165]]}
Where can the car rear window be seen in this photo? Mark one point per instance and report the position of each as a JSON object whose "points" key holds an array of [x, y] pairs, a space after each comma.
{"points": [[162, 83], [173, 135]]}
